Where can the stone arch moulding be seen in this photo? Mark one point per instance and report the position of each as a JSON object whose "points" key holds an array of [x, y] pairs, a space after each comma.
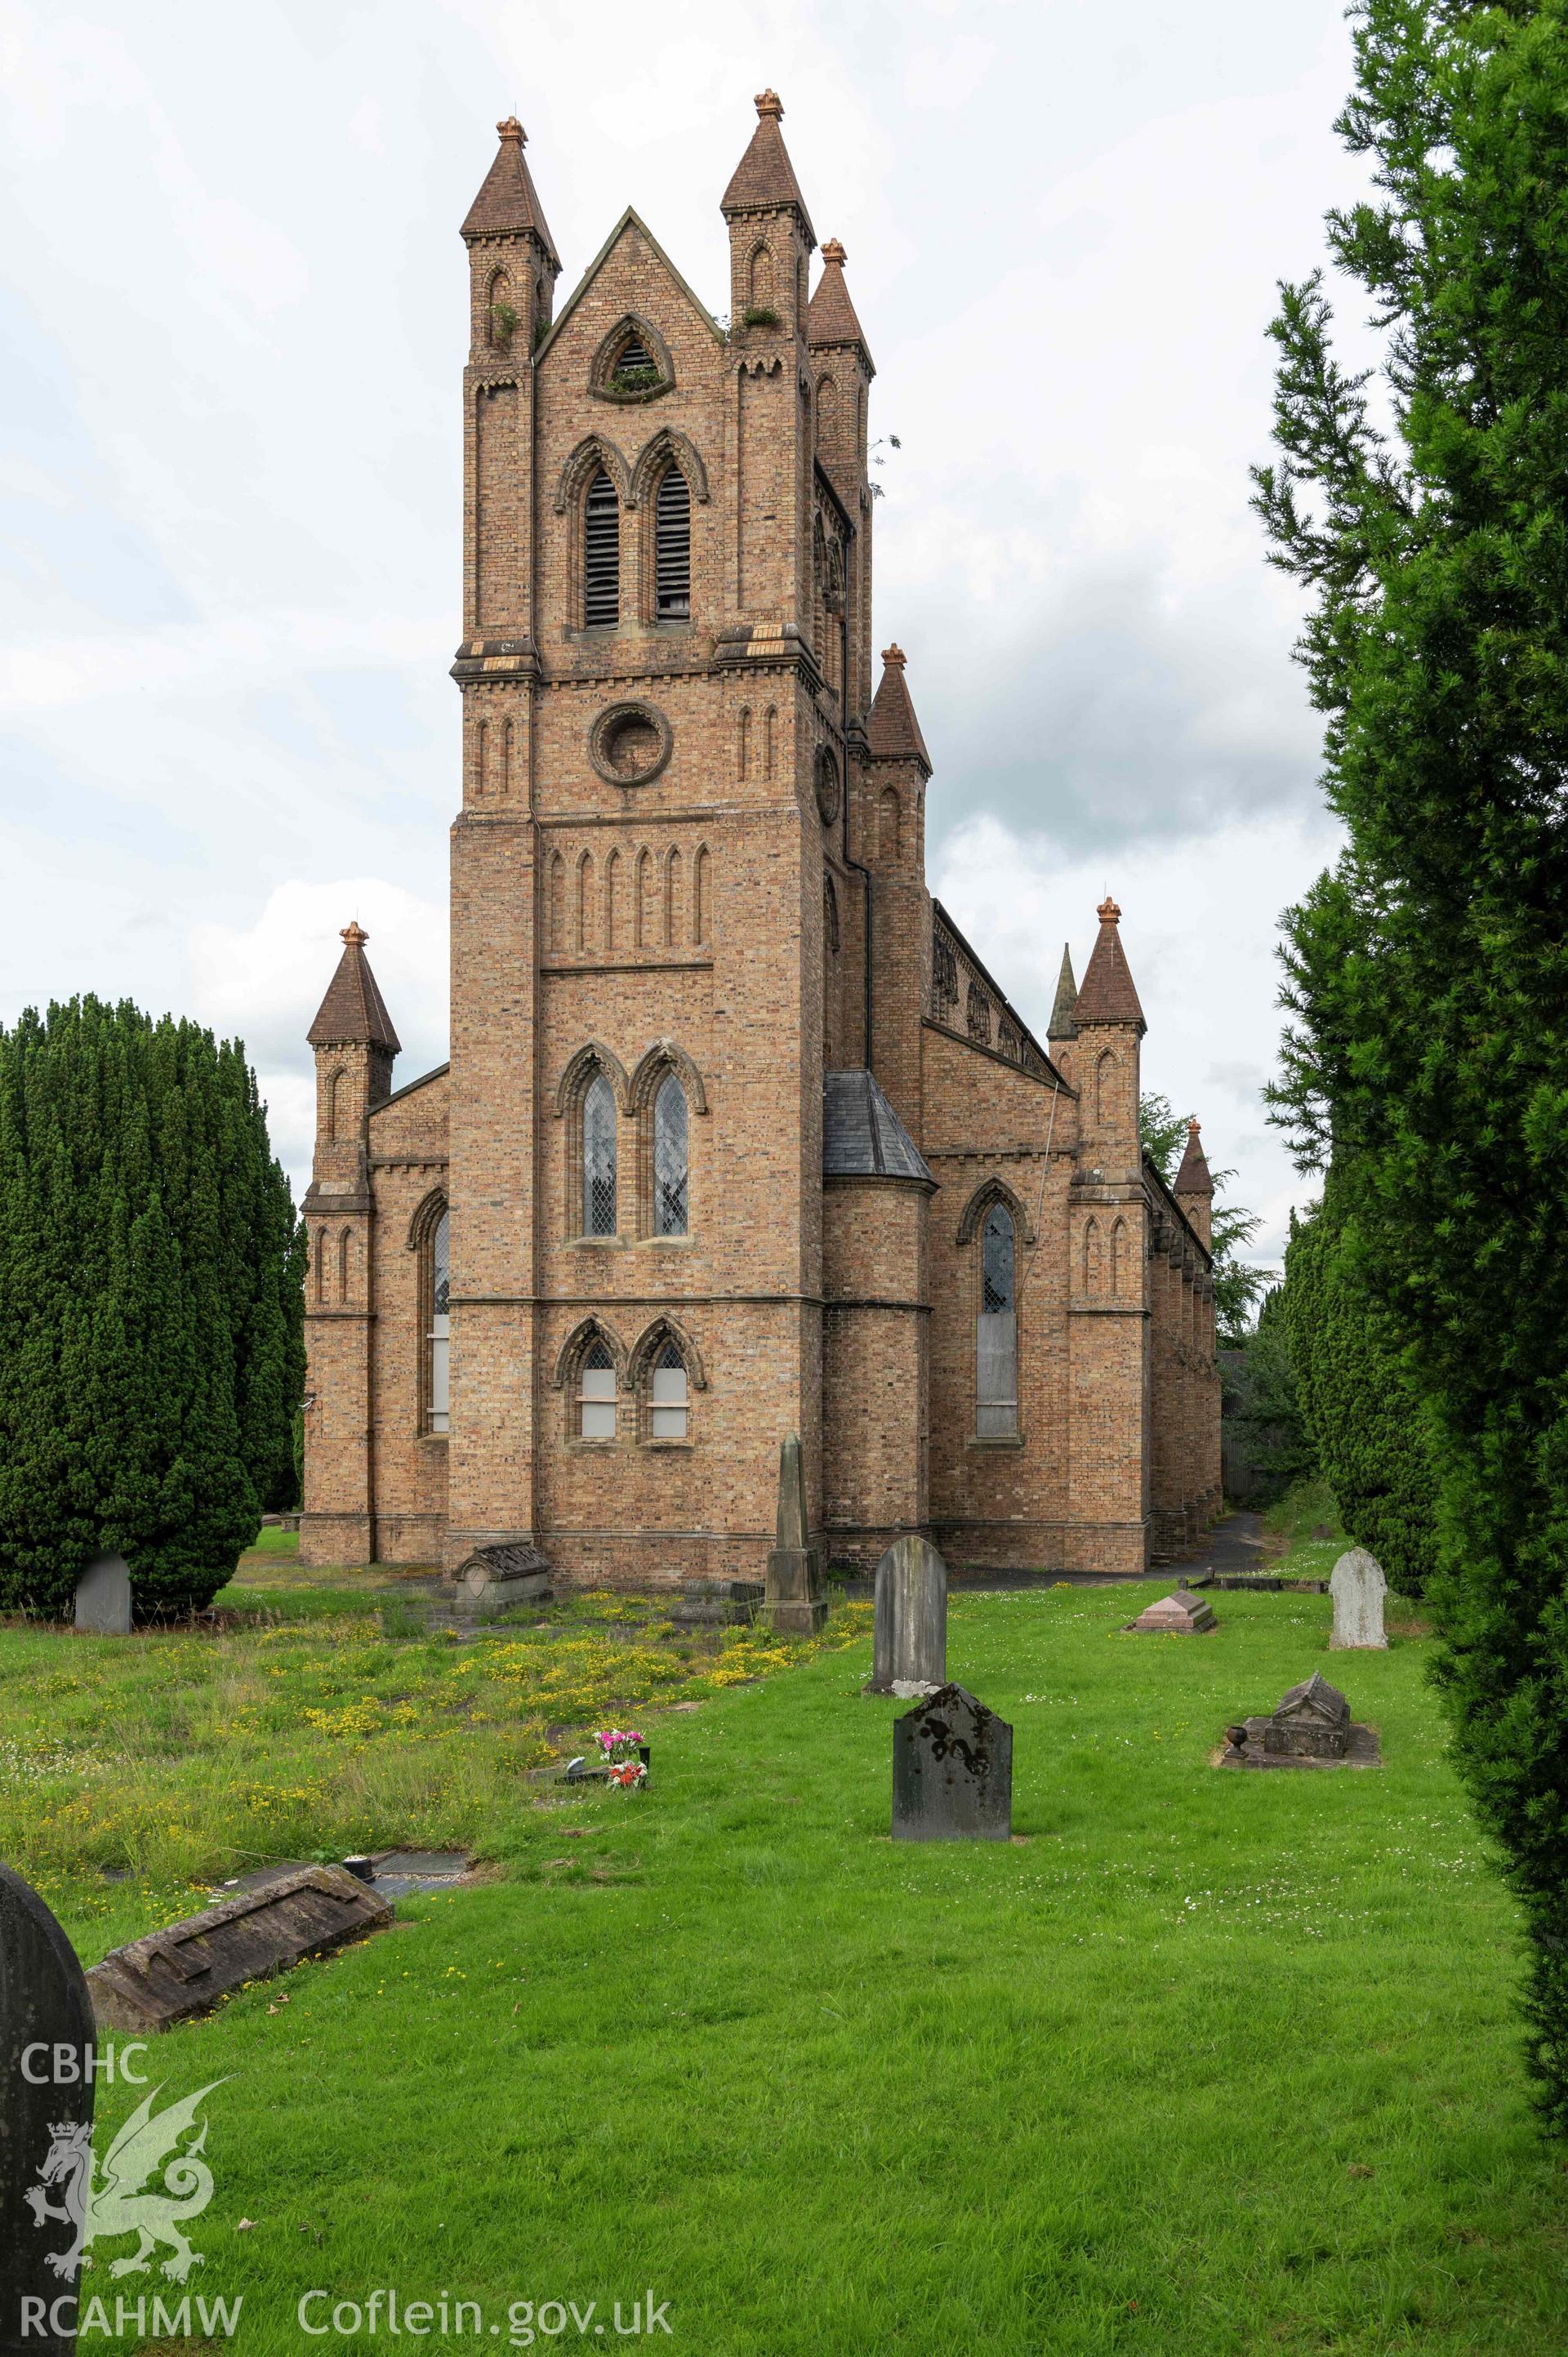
{"points": [[651, 1339], [595, 450], [989, 1192], [587, 1331], [630, 323], [591, 1058], [667, 447], [422, 1227], [663, 1057]]}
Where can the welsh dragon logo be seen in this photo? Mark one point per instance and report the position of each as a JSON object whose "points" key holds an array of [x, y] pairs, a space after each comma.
{"points": [[100, 2207]]}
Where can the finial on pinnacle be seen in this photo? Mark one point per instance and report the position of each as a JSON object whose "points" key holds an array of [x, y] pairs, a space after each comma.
{"points": [[1108, 912], [512, 129], [769, 103], [353, 935], [833, 251], [894, 656], [1192, 1124]]}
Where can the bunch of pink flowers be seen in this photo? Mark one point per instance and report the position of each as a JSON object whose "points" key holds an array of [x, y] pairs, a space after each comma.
{"points": [[618, 1742]]}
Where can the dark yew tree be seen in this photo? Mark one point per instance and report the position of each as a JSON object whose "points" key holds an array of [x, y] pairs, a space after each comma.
{"points": [[150, 1306], [1426, 511]]}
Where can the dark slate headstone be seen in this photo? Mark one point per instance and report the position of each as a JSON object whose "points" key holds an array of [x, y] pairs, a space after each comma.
{"points": [[104, 1598], [952, 1771], [47, 2036], [174, 1973], [795, 1600], [909, 1642]]}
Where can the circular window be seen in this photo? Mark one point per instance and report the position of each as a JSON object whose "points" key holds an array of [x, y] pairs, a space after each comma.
{"points": [[827, 786], [630, 743]]}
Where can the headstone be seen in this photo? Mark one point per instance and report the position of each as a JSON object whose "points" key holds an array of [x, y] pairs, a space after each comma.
{"points": [[1311, 1722], [1357, 1586], [47, 2036], [104, 1598], [952, 1770], [174, 1973], [909, 1641], [495, 1577], [717, 1603], [1181, 1615], [795, 1600]]}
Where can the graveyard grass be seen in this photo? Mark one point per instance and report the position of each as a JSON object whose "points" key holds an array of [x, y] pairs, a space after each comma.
{"points": [[1204, 2062]]}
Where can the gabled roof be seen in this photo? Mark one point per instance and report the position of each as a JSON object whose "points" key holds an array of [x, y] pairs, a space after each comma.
{"points": [[1193, 1178], [1106, 994], [1314, 1695], [830, 314], [507, 203], [764, 180], [630, 218], [894, 732], [862, 1137], [353, 1013], [1061, 1024]]}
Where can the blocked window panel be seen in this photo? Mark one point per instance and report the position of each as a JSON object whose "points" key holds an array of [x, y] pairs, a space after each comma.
{"points": [[438, 1342], [597, 1395], [668, 1409]]}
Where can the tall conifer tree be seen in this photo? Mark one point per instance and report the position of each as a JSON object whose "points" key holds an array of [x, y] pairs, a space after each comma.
{"points": [[150, 1306], [1427, 974]]}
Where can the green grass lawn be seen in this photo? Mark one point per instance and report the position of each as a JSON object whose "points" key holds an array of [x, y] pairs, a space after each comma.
{"points": [[1202, 2062]]}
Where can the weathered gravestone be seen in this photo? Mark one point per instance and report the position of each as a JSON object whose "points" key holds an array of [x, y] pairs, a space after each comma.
{"points": [[1310, 1721], [795, 1600], [493, 1579], [1181, 1615], [46, 2038], [174, 1973], [104, 1598], [716, 1603], [952, 1770], [1357, 1586], [909, 1642]]}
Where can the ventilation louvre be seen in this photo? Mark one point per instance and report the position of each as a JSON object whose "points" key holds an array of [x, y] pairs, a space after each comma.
{"points": [[673, 547], [601, 554]]}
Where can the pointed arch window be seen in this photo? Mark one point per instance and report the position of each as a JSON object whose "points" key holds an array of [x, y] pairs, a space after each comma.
{"points": [[599, 1158], [673, 547], [438, 1334], [671, 1162], [597, 1394], [601, 554], [669, 1407], [996, 1331]]}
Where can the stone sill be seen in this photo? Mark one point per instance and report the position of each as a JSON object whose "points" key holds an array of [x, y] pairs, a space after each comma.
{"points": [[1017, 1440]]}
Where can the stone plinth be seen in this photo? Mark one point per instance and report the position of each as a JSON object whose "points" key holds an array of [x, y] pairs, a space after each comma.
{"points": [[1312, 1721], [795, 1600], [1181, 1615]]}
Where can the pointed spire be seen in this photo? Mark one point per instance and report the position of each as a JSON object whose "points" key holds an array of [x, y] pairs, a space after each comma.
{"points": [[1193, 1178], [508, 205], [1107, 995], [830, 314], [894, 734], [353, 1013], [764, 180], [1062, 1025]]}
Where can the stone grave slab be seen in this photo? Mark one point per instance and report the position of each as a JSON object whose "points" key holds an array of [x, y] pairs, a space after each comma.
{"points": [[795, 1600], [909, 1641], [104, 1598], [46, 2032], [1181, 1615], [173, 1974], [1357, 1586], [717, 1603], [952, 1770], [493, 1579], [1310, 1726], [1362, 1749]]}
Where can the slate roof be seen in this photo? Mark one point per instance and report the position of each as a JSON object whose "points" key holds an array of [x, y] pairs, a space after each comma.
{"points": [[1193, 1178], [830, 314], [353, 1011], [1106, 994], [764, 180], [862, 1137], [509, 201], [893, 732]]}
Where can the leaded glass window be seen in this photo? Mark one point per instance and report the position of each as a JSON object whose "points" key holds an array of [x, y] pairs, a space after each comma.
{"points": [[996, 1332], [438, 1365], [599, 1158], [670, 1159], [597, 1394], [667, 1419]]}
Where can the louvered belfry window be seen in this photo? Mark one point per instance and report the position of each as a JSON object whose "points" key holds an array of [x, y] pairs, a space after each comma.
{"points": [[669, 1159], [601, 552], [599, 1158], [996, 1332], [673, 547]]}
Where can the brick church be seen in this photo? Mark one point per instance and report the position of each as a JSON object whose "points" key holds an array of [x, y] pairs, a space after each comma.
{"points": [[739, 1136]]}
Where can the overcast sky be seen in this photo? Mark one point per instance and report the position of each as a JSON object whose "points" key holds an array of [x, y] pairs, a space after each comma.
{"points": [[232, 315]]}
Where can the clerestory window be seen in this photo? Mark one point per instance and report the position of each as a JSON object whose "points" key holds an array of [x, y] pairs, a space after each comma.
{"points": [[601, 554]]}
